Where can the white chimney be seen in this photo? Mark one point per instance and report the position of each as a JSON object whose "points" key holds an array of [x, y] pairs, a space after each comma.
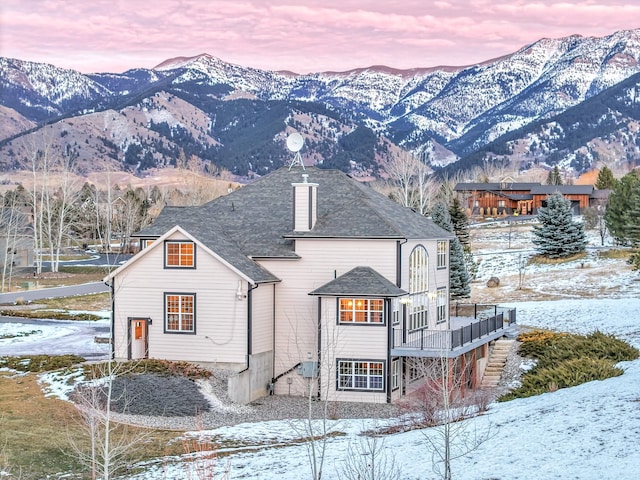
{"points": [[305, 205]]}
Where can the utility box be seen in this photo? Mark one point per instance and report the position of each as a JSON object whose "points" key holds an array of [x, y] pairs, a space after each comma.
{"points": [[308, 369]]}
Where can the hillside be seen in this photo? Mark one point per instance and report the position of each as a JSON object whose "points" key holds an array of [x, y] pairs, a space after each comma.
{"points": [[236, 118]]}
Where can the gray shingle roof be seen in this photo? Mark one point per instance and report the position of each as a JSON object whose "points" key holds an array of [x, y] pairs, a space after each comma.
{"points": [[256, 220], [358, 282]]}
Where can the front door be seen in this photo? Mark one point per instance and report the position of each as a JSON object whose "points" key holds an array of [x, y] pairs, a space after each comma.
{"points": [[139, 338]]}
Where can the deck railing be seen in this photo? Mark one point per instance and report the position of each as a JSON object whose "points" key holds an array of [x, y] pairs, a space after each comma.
{"points": [[472, 323]]}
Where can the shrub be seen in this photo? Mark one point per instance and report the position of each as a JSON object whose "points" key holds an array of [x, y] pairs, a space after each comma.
{"points": [[40, 363], [566, 374], [162, 367], [567, 360], [51, 314]]}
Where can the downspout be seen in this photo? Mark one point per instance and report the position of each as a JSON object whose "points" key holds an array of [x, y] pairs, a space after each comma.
{"points": [[250, 289], [113, 317], [273, 337], [399, 262], [387, 302], [404, 307], [319, 344]]}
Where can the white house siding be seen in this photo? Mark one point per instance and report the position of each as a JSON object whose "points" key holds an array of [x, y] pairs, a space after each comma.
{"points": [[438, 278], [262, 318], [296, 312], [221, 319], [367, 342]]}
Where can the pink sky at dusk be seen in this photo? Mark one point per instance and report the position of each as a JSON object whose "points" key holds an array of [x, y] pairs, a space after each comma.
{"points": [[302, 36]]}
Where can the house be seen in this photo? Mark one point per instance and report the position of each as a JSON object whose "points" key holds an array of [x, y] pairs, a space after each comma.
{"points": [[507, 197], [304, 281]]}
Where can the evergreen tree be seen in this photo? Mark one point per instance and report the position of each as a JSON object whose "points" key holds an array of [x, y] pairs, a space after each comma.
{"points": [[460, 223], [623, 209], [554, 177], [458, 275], [605, 179], [558, 235]]}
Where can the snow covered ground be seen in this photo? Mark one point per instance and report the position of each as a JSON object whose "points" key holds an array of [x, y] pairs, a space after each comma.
{"points": [[589, 432]]}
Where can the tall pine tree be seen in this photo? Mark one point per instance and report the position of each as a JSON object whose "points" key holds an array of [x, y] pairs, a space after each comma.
{"points": [[558, 235], [622, 213], [605, 179], [458, 275], [554, 177], [460, 223]]}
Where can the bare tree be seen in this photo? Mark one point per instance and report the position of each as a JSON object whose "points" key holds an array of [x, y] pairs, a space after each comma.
{"points": [[368, 459], [112, 446], [442, 403], [13, 223], [410, 177], [319, 367], [51, 204], [130, 214]]}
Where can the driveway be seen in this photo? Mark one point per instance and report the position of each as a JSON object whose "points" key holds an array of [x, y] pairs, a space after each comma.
{"points": [[68, 291]]}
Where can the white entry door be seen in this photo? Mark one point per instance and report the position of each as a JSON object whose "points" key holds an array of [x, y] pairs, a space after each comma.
{"points": [[139, 338]]}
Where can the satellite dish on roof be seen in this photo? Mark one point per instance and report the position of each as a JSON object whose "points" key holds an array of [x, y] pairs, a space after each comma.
{"points": [[295, 141]]}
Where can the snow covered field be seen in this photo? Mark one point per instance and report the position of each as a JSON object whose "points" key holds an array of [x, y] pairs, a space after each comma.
{"points": [[589, 432]]}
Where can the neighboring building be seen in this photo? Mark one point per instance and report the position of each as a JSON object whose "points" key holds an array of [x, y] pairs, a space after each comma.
{"points": [[303, 279], [508, 198]]}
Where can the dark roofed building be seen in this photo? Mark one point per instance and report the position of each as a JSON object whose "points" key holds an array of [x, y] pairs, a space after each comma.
{"points": [[513, 198]]}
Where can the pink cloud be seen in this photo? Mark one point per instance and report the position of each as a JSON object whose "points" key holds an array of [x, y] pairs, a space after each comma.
{"points": [[110, 35]]}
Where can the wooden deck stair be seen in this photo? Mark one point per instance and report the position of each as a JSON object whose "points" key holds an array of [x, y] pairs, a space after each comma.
{"points": [[496, 363]]}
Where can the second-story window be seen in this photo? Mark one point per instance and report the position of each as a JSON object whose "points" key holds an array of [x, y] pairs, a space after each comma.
{"points": [[442, 254], [361, 310], [179, 254], [418, 288]]}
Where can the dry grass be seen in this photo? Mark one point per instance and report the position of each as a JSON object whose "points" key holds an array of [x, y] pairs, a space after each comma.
{"points": [[35, 431]]}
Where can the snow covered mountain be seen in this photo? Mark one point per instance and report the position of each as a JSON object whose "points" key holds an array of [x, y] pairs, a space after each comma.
{"points": [[435, 110]]}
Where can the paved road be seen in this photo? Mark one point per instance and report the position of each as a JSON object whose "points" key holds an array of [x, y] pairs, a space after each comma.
{"points": [[71, 290]]}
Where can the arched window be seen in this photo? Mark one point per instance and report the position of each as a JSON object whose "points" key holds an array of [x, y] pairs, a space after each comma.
{"points": [[418, 270], [418, 287]]}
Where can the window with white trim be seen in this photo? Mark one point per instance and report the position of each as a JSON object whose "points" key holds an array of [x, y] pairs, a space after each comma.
{"points": [[180, 312], [418, 287], [396, 366], [395, 311], [179, 254], [360, 375], [441, 300], [361, 310], [442, 254], [418, 270]]}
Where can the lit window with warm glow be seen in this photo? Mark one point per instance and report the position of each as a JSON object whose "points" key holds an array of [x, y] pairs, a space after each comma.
{"points": [[361, 310], [180, 254], [180, 313]]}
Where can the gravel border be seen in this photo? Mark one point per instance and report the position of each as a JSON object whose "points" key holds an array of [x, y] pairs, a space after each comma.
{"points": [[223, 412]]}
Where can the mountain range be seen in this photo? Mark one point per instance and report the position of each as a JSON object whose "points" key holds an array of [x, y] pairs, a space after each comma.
{"points": [[572, 102]]}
